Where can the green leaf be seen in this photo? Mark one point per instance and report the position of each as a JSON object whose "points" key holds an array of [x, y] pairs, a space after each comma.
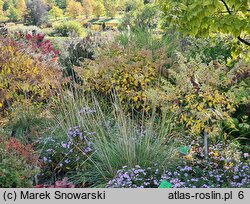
{"points": [[165, 184], [184, 150], [183, 6]]}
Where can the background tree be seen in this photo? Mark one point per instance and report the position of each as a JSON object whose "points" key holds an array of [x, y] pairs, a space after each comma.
{"points": [[6, 5], [121, 5], [74, 9], [37, 12], [133, 5], [51, 3], [111, 7], [56, 12], [21, 8], [140, 16], [98, 8], [61, 3], [148, 17], [87, 7], [12, 13], [1, 8]]}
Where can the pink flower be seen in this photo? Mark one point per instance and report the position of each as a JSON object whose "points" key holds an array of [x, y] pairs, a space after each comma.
{"points": [[56, 53], [39, 186], [40, 36], [63, 184], [46, 42], [28, 37]]}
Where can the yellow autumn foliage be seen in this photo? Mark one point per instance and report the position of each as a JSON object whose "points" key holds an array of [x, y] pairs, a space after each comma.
{"points": [[200, 96], [25, 75], [127, 72], [204, 95]]}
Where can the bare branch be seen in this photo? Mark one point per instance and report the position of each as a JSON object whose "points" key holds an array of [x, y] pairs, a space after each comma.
{"points": [[243, 41]]}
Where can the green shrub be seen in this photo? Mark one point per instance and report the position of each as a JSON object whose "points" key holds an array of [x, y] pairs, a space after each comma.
{"points": [[28, 121], [201, 95], [141, 39], [15, 173], [69, 28], [207, 50]]}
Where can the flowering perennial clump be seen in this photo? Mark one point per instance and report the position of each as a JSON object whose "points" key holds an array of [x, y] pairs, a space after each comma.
{"points": [[137, 177], [69, 154], [223, 169], [76, 137]]}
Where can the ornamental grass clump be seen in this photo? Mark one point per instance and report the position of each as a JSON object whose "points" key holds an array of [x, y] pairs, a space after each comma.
{"points": [[119, 138]]}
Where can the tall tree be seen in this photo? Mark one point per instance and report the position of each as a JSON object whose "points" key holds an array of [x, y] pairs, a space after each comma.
{"points": [[1, 7], [74, 8], [133, 5], [98, 8], [56, 12], [12, 13], [38, 12], [121, 5], [111, 7], [61, 3], [87, 7], [21, 8], [51, 3]]}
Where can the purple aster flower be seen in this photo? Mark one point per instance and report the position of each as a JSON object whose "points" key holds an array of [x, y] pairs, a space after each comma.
{"points": [[49, 150], [245, 155], [126, 175], [87, 150], [64, 145]]}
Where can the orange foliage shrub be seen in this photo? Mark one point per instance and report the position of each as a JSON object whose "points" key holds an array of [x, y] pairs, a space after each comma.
{"points": [[15, 147], [25, 74]]}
